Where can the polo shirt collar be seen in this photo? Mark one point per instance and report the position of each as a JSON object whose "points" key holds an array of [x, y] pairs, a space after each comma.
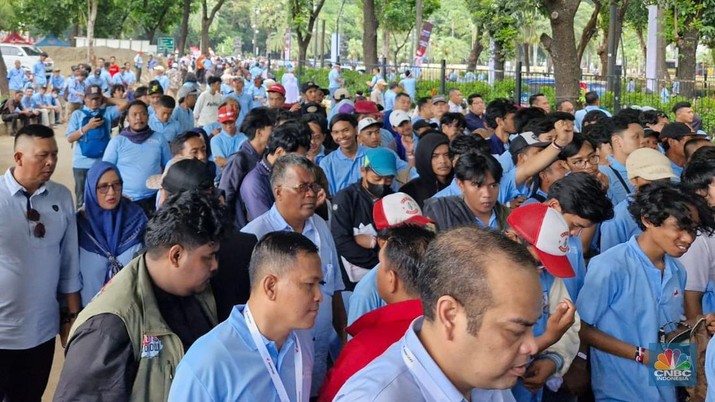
{"points": [[360, 152], [278, 223], [238, 322], [14, 187]]}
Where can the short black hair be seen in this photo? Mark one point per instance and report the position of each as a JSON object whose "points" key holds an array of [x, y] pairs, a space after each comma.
{"points": [[276, 252], [699, 173], [404, 249], [138, 103], [471, 97], [317, 119], [462, 144], [474, 167], [257, 119], [177, 144], [212, 80], [423, 101], [533, 97], [561, 103], [451, 118], [575, 146], [34, 130], [583, 195], [659, 200], [591, 98], [693, 145], [650, 117], [189, 218], [290, 137], [599, 133], [630, 115], [681, 105], [593, 117], [167, 102], [115, 88], [350, 118], [401, 94], [141, 91], [498, 108]]}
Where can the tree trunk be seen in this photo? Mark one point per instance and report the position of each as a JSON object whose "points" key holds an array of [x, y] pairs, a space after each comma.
{"points": [[563, 50], [369, 35], [386, 47], [527, 57], [589, 30], [206, 20], [499, 61], [643, 45], [184, 27], [4, 84], [93, 4], [602, 52], [303, 43], [687, 48], [477, 49]]}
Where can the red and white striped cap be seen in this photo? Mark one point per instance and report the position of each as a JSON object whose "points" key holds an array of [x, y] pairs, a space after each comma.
{"points": [[547, 231]]}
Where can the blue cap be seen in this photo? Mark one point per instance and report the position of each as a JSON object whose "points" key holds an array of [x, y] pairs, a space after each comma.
{"points": [[381, 161]]}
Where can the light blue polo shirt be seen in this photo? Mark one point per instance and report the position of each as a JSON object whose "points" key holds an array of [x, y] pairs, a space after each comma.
{"points": [[626, 298], [136, 162], [93, 268], [342, 171], [225, 365], [507, 164], [317, 230], [618, 192], [575, 256], [620, 228], [80, 161], [452, 189], [333, 77], [389, 379], [15, 78], [185, 118], [365, 297], [677, 171], [710, 369], [224, 145], [169, 130], [508, 189], [38, 70]]}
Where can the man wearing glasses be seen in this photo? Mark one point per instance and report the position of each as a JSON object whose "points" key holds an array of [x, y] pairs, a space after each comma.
{"points": [[296, 196], [38, 259]]}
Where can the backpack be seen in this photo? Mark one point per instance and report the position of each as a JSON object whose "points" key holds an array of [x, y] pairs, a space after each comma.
{"points": [[94, 141]]}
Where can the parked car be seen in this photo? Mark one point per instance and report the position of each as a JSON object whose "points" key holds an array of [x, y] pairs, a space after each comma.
{"points": [[27, 54]]}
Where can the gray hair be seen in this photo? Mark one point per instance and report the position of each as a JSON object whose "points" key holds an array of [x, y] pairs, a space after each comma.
{"points": [[284, 163]]}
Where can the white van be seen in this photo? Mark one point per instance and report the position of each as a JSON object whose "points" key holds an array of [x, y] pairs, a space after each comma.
{"points": [[27, 54]]}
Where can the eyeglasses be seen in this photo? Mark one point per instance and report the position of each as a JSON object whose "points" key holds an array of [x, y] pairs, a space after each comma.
{"points": [[104, 188], [304, 187], [593, 160], [34, 216]]}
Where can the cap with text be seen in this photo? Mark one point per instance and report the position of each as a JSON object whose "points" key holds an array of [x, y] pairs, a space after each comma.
{"points": [[398, 209]]}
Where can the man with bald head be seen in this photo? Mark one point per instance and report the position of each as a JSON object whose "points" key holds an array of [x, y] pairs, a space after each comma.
{"points": [[38, 259]]}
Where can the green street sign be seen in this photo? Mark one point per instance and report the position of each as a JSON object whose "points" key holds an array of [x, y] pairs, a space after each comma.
{"points": [[165, 44]]}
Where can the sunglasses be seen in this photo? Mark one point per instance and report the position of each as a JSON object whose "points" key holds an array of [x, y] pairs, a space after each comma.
{"points": [[104, 188], [34, 216]]}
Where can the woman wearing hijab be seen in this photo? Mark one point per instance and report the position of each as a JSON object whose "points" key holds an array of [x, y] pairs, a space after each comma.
{"points": [[110, 228], [434, 165]]}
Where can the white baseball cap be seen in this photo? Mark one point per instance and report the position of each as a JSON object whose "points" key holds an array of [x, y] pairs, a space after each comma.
{"points": [[397, 209], [397, 117]]}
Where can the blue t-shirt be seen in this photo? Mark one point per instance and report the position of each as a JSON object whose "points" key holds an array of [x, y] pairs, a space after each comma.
{"points": [[342, 171], [185, 118], [136, 162], [410, 85], [365, 297], [620, 228], [575, 256], [16, 79], [224, 145], [508, 189], [38, 70], [169, 130], [630, 299], [333, 77], [224, 365], [616, 185], [80, 161]]}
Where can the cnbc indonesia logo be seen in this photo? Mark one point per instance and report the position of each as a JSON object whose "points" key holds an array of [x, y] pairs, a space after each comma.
{"points": [[673, 365]]}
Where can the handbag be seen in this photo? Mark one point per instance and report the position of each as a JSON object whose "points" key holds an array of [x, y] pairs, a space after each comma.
{"points": [[693, 332]]}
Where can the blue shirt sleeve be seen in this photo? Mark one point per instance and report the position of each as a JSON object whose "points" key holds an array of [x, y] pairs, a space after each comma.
{"points": [[600, 285], [111, 153], [187, 387]]}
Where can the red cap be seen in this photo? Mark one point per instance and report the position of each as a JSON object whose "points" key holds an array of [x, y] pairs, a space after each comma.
{"points": [[547, 231], [366, 107], [397, 209], [277, 88], [226, 113]]}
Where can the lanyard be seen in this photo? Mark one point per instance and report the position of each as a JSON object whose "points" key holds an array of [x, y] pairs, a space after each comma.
{"points": [[415, 367], [271, 367]]}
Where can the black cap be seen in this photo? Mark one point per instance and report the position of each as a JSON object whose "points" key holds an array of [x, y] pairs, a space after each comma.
{"points": [[155, 88], [676, 131], [308, 85], [186, 175], [424, 123], [523, 140]]}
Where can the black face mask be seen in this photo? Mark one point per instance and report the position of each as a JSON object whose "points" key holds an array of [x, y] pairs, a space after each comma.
{"points": [[376, 190]]}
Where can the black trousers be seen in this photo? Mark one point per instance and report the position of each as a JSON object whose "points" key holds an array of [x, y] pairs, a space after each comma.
{"points": [[24, 373], [14, 118], [80, 177], [148, 205]]}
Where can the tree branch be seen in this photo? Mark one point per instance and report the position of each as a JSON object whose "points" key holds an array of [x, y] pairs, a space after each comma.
{"points": [[215, 9], [546, 42], [589, 30]]}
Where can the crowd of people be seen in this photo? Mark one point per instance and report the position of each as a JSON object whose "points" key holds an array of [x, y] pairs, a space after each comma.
{"points": [[233, 238]]}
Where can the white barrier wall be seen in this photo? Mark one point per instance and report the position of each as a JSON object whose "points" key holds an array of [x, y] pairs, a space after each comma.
{"points": [[130, 44]]}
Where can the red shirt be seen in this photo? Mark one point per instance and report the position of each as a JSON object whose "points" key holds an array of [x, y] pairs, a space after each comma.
{"points": [[372, 334], [113, 69]]}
